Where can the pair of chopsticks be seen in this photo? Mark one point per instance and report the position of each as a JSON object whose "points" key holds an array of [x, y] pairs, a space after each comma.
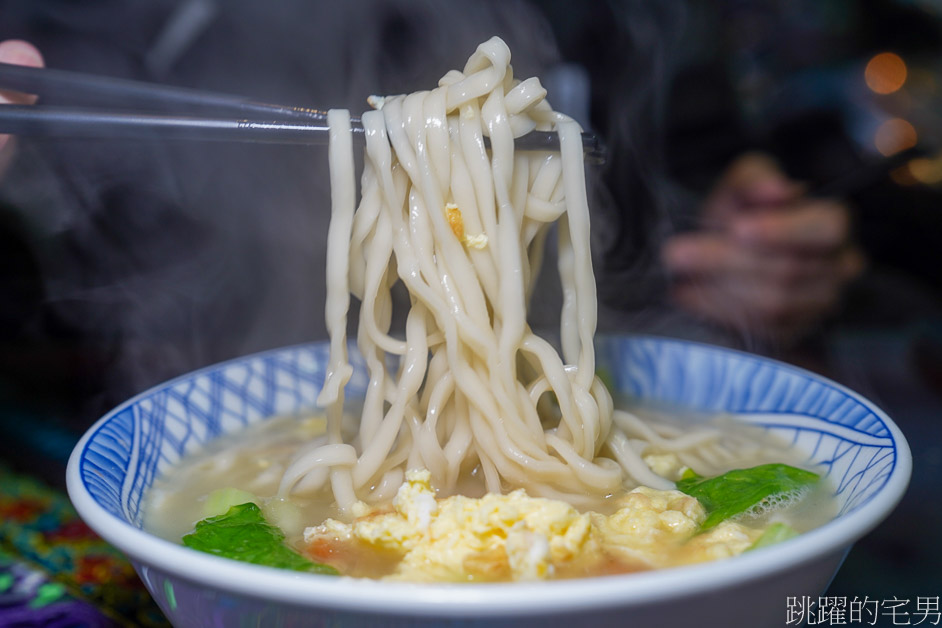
{"points": [[139, 110]]}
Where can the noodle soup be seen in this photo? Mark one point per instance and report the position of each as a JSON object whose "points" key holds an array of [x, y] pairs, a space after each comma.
{"points": [[630, 531], [466, 404], [536, 473]]}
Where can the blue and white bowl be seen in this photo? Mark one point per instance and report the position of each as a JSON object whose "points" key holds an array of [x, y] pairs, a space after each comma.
{"points": [[848, 439]]}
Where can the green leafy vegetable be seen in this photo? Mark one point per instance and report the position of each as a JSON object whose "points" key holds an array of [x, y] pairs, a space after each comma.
{"points": [[738, 490], [243, 534], [775, 533]]}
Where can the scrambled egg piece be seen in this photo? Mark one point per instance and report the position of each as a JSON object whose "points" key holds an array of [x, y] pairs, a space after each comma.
{"points": [[518, 537], [456, 222], [496, 537]]}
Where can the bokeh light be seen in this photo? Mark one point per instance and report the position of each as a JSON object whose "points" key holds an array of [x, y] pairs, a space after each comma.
{"points": [[927, 171], [885, 73], [893, 136]]}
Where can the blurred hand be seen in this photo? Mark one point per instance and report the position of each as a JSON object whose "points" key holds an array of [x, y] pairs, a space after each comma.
{"points": [[20, 53], [769, 261]]}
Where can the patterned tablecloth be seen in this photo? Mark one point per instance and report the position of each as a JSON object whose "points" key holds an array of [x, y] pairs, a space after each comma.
{"points": [[56, 572]]}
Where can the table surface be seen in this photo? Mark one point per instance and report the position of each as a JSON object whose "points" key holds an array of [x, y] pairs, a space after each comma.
{"points": [[54, 571]]}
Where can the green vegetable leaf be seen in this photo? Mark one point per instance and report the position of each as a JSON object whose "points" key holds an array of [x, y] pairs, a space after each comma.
{"points": [[738, 490], [243, 534], [775, 533]]}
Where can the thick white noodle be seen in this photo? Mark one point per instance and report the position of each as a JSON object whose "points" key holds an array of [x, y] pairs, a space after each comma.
{"points": [[462, 227]]}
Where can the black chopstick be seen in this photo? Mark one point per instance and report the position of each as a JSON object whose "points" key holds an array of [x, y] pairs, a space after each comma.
{"points": [[70, 122], [200, 115], [116, 93], [73, 122]]}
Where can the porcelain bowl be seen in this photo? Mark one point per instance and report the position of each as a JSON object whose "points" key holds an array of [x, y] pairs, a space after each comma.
{"points": [[850, 441]]}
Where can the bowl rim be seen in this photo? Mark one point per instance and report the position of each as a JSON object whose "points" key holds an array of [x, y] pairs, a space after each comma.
{"points": [[484, 599]]}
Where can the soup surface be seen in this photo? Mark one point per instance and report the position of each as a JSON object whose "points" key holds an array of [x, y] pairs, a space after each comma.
{"points": [[422, 535]]}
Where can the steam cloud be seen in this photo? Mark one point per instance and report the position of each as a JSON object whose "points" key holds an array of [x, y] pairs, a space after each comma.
{"points": [[158, 258], [163, 257]]}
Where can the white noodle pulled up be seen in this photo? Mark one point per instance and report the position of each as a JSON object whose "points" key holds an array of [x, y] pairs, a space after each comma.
{"points": [[463, 227]]}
